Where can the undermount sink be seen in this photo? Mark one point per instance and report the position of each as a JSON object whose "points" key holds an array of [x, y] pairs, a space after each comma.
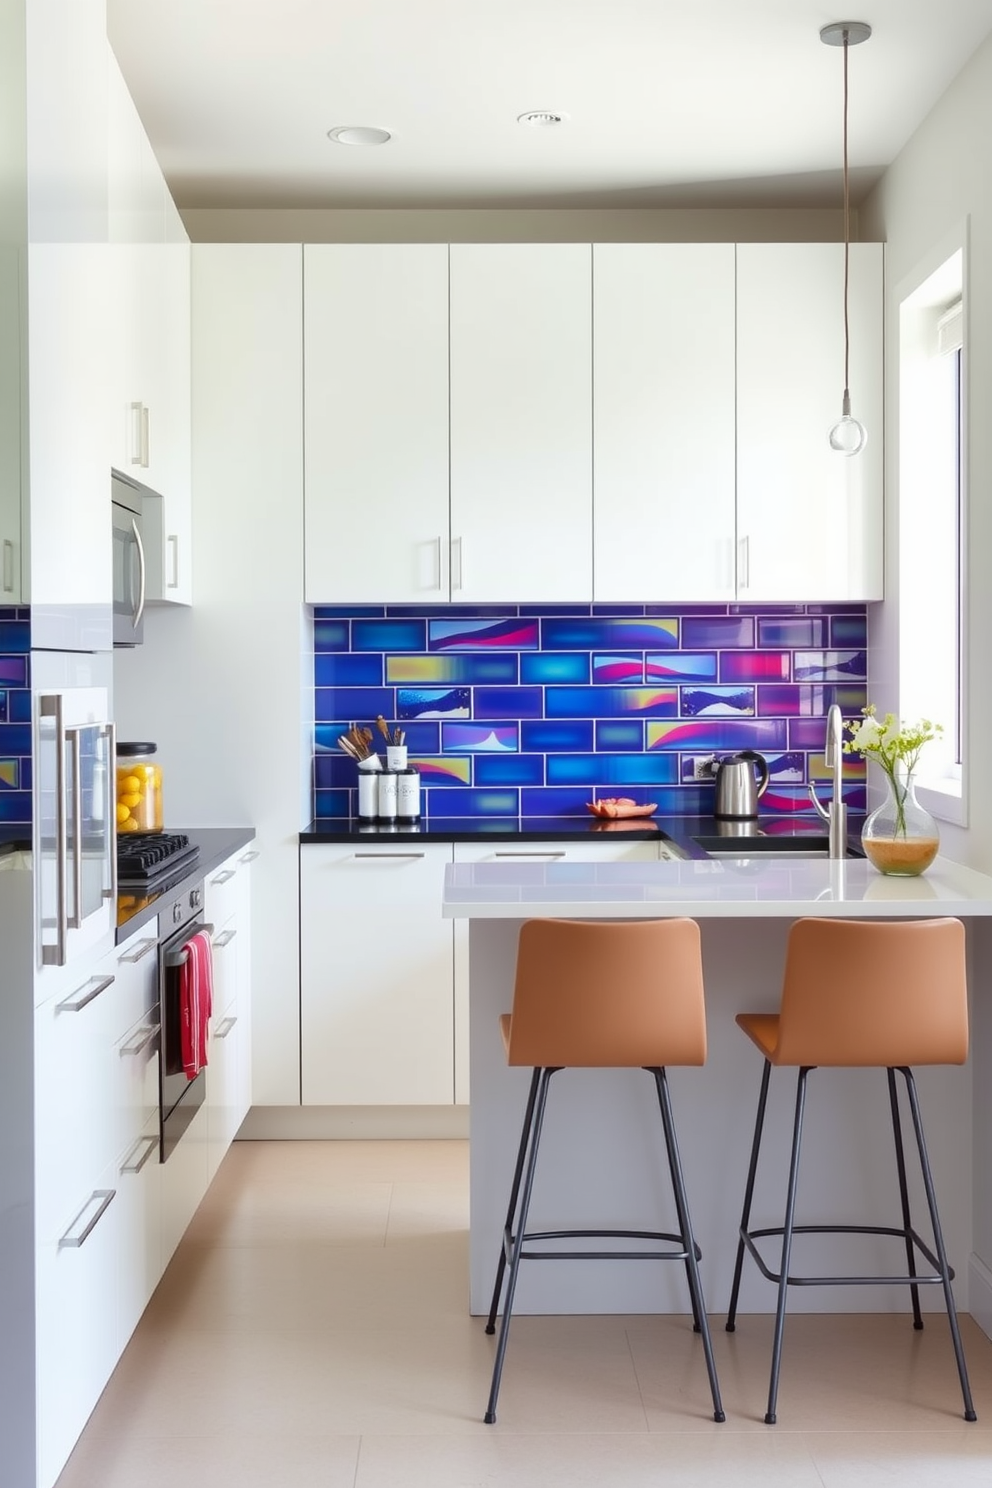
{"points": [[753, 845]]}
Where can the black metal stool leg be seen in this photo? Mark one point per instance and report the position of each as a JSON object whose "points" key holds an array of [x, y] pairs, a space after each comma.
{"points": [[658, 1074], [748, 1195], [790, 1216], [904, 1196], [541, 1098], [952, 1317], [688, 1239], [512, 1206]]}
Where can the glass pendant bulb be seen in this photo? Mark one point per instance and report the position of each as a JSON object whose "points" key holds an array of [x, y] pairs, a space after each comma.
{"points": [[848, 436]]}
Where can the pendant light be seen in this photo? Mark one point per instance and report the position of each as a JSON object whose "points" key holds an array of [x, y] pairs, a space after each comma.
{"points": [[847, 435]]}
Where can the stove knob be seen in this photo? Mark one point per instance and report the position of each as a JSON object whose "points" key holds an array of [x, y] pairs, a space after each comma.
{"points": [[177, 913], [195, 898]]}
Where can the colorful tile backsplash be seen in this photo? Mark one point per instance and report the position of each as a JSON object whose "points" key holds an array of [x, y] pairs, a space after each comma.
{"points": [[523, 711], [15, 717]]}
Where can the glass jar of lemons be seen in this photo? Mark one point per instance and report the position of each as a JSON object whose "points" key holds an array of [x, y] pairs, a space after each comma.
{"points": [[139, 789]]}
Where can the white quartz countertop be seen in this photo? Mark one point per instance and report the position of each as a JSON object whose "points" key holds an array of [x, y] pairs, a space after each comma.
{"points": [[726, 887]]}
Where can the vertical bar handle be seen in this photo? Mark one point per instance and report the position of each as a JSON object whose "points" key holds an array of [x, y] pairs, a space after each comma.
{"points": [[8, 566], [439, 576], [172, 543], [744, 563], [54, 955], [75, 920], [145, 421], [135, 441], [457, 572], [139, 609], [109, 732]]}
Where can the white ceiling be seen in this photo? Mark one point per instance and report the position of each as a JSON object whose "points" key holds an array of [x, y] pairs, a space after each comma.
{"points": [[669, 102]]}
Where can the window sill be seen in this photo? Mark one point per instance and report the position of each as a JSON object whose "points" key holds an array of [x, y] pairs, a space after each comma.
{"points": [[944, 799]]}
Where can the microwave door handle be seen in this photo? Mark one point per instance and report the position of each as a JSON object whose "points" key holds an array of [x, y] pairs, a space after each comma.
{"points": [[54, 955], [140, 608]]}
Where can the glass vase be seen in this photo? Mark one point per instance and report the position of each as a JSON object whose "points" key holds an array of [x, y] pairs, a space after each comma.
{"points": [[900, 836]]}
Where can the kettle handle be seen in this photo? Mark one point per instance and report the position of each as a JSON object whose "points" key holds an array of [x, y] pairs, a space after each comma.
{"points": [[762, 763]]}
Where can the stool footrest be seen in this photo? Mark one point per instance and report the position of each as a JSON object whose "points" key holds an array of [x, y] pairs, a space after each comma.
{"points": [[749, 1237], [539, 1236]]}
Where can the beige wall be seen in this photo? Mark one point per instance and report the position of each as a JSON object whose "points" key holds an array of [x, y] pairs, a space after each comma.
{"points": [[943, 178]]}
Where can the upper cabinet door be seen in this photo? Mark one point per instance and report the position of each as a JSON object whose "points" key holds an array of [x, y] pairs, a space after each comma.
{"points": [[809, 519], [521, 422], [375, 353], [664, 421]]}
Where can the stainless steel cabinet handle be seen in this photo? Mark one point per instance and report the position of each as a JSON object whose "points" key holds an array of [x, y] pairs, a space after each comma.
{"points": [[172, 543], [75, 920], [110, 732], [140, 1041], [136, 440], [78, 1000], [140, 608], [72, 1240], [145, 448], [8, 566], [224, 1029], [437, 568], [529, 854], [224, 939], [223, 878], [54, 955], [744, 563], [250, 856], [378, 857], [140, 951], [129, 1165], [457, 569]]}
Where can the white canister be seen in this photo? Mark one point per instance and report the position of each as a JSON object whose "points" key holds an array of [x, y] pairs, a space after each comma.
{"points": [[408, 795], [368, 789], [387, 796], [395, 756]]}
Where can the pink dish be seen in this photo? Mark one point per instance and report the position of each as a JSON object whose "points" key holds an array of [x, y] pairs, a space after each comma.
{"points": [[619, 806]]}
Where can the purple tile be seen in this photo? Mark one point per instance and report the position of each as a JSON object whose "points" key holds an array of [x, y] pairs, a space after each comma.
{"points": [[805, 630], [513, 634], [718, 733], [478, 738], [507, 702], [830, 666], [755, 666], [717, 630]]}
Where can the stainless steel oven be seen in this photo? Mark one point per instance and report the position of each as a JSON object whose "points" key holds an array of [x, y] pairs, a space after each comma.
{"points": [[179, 1096], [129, 561]]}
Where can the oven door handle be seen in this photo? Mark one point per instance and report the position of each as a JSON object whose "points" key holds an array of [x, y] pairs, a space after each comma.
{"points": [[177, 956]]}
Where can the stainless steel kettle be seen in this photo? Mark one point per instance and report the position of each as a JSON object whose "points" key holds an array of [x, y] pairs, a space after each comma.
{"points": [[737, 787]]}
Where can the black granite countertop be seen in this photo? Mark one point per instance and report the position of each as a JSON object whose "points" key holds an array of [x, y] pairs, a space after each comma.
{"points": [[216, 844]]}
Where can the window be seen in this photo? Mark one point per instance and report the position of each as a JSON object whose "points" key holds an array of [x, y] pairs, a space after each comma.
{"points": [[932, 521]]}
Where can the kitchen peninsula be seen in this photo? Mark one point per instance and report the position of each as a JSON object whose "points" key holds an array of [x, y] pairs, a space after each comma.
{"points": [[600, 1158]]}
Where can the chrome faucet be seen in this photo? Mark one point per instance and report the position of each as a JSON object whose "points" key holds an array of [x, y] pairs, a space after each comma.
{"points": [[833, 755]]}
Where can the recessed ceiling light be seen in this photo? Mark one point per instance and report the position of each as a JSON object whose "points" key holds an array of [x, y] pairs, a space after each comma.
{"points": [[358, 134], [542, 118]]}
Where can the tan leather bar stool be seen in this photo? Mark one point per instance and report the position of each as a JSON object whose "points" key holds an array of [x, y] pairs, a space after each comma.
{"points": [[627, 995], [858, 993]]}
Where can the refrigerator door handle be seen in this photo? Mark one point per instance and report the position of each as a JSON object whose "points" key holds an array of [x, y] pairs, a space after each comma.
{"points": [[54, 955]]}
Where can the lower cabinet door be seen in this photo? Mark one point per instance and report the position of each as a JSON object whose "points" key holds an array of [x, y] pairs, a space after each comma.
{"points": [[377, 975], [222, 1084], [139, 1215], [185, 1178]]}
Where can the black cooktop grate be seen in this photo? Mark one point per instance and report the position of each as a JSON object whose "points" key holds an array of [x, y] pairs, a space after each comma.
{"points": [[144, 860]]}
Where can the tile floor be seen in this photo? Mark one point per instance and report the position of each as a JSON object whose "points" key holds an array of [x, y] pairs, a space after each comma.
{"points": [[311, 1332]]}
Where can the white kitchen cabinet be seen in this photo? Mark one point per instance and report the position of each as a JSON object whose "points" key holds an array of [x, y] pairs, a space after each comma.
{"points": [[375, 326], [521, 422], [664, 423], [376, 975], [227, 900], [809, 520], [538, 854], [10, 405], [149, 399]]}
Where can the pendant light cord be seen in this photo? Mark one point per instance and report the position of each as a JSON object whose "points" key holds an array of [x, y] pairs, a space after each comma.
{"points": [[847, 241]]}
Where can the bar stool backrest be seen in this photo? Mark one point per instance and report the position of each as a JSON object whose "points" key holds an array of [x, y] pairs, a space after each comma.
{"points": [[871, 993], [608, 995]]}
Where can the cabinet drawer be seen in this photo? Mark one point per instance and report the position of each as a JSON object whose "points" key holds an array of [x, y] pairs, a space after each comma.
{"points": [[220, 893], [136, 1081]]}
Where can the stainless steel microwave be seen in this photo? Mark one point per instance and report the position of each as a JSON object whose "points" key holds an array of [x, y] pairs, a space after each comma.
{"points": [[129, 561]]}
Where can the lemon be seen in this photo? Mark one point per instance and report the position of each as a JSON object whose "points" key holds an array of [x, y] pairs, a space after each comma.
{"points": [[122, 813], [130, 801], [129, 785]]}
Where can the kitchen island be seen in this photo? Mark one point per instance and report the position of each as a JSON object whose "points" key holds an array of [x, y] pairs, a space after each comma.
{"points": [[601, 1158]]}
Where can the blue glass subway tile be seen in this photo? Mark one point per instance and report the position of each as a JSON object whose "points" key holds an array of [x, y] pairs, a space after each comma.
{"points": [[26, 774], [620, 733], [447, 770], [766, 609], [421, 738], [331, 635], [15, 636], [719, 733], [684, 610], [345, 669], [10, 775], [849, 630], [352, 704], [830, 666], [509, 769], [474, 803], [19, 705], [681, 666], [807, 733], [514, 634], [607, 770], [4, 712], [709, 702], [805, 630], [717, 630], [14, 671], [835, 609], [855, 767], [547, 801], [600, 633], [795, 798], [450, 611], [779, 701], [507, 702], [609, 702], [15, 738], [334, 770], [15, 808], [788, 769], [389, 635], [809, 701], [433, 668], [555, 610], [688, 764], [480, 738], [333, 804], [8, 612], [617, 671], [755, 666], [618, 609], [541, 667], [547, 736], [348, 612], [684, 800], [326, 736], [433, 702]]}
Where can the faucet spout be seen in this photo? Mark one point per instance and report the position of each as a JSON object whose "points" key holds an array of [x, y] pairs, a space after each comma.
{"points": [[833, 757]]}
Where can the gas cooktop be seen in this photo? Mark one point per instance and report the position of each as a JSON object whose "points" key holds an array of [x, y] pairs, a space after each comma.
{"points": [[147, 860]]}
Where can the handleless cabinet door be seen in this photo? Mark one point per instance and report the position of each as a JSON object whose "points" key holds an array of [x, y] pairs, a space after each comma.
{"points": [[663, 382], [375, 354], [521, 422]]}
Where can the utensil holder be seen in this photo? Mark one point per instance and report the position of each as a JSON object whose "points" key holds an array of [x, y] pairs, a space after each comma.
{"points": [[396, 756], [368, 788]]}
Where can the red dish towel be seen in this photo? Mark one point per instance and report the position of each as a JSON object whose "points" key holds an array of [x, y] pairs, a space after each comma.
{"points": [[195, 1002]]}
